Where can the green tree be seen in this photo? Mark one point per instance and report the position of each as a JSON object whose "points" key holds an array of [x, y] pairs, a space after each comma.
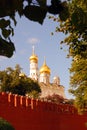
{"points": [[35, 10], [11, 80], [74, 26], [33, 94], [5, 125], [75, 29], [78, 82]]}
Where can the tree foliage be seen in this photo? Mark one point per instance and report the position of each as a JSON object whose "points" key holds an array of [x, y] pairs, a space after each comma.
{"points": [[12, 81], [77, 42], [5, 125], [75, 29], [34, 10], [78, 82]]}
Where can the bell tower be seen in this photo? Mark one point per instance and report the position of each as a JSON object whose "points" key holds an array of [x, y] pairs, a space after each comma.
{"points": [[33, 65]]}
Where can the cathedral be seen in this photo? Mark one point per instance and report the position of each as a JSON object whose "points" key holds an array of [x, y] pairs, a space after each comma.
{"points": [[42, 75]]}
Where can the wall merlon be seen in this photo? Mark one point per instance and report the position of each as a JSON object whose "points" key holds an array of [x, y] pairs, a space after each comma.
{"points": [[15, 100]]}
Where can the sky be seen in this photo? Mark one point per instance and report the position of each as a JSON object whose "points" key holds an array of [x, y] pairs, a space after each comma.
{"points": [[28, 33]]}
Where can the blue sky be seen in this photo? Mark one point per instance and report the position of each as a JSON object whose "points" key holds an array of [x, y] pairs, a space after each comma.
{"points": [[28, 33]]}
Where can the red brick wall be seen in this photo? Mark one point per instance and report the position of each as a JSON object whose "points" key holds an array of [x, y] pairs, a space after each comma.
{"points": [[27, 114]]}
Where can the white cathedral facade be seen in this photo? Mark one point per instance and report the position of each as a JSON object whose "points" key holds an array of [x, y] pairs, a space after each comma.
{"points": [[42, 75]]}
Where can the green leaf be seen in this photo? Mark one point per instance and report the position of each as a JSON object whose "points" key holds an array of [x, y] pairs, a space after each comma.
{"points": [[4, 23], [35, 13], [6, 32], [64, 14], [6, 48], [79, 19], [42, 2]]}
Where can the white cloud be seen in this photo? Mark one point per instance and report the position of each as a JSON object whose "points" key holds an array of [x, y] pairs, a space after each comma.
{"points": [[3, 58], [33, 40]]}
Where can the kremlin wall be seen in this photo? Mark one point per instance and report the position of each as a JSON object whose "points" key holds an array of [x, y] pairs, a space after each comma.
{"points": [[25, 113], [28, 114]]}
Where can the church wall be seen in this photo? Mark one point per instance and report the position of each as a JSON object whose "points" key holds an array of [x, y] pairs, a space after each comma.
{"points": [[28, 114], [50, 89]]}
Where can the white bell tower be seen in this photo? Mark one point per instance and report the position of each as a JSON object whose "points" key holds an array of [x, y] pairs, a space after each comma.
{"points": [[33, 65]]}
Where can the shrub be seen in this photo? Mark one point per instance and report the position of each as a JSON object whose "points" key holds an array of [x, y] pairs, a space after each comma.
{"points": [[5, 125]]}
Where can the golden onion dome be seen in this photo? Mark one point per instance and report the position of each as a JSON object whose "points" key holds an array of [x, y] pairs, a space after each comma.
{"points": [[45, 68], [33, 56], [22, 74]]}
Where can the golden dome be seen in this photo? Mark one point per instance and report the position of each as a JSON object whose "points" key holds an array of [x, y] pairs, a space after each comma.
{"points": [[45, 68], [22, 74], [33, 56]]}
